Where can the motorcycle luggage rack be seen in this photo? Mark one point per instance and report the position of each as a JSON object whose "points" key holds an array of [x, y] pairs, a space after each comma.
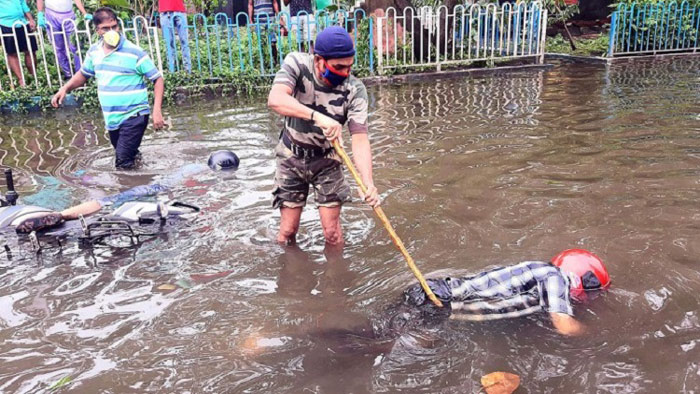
{"points": [[97, 231]]}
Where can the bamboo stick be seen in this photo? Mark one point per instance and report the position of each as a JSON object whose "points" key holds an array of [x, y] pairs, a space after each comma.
{"points": [[382, 217]]}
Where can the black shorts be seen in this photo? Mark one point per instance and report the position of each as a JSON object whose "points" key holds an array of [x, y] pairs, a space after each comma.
{"points": [[8, 40]]}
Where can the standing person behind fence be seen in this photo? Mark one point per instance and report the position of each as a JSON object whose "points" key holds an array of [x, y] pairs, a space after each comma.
{"points": [[317, 95], [14, 18], [263, 12], [119, 67], [303, 23], [173, 17], [59, 17]]}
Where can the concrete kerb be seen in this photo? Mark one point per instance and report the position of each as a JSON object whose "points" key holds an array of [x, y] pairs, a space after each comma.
{"points": [[628, 59], [620, 59], [577, 58]]}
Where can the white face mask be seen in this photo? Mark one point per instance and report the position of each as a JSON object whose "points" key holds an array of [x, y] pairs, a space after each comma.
{"points": [[111, 38]]}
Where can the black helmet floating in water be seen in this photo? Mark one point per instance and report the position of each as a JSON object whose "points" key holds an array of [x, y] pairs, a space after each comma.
{"points": [[223, 160]]}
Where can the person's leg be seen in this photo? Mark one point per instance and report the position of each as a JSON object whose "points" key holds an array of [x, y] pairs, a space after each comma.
{"points": [[130, 136], [180, 23], [272, 34], [289, 225], [290, 191], [27, 45], [312, 31], [58, 39], [114, 138], [8, 41], [69, 29], [13, 62], [84, 209], [166, 24], [30, 61], [330, 221], [59, 45], [295, 31], [331, 192], [303, 31]]}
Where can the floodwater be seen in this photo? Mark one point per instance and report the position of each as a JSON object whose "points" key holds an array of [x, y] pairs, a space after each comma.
{"points": [[474, 172]]}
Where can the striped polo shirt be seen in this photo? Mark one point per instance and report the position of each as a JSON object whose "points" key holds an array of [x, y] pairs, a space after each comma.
{"points": [[119, 76], [262, 10]]}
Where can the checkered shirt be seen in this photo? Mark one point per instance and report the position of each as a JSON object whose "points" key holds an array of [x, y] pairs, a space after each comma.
{"points": [[513, 291]]}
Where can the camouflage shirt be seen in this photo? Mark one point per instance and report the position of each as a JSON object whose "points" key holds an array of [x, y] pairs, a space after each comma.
{"points": [[346, 103]]}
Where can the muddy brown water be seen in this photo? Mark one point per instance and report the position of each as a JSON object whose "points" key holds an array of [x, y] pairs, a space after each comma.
{"points": [[474, 172]]}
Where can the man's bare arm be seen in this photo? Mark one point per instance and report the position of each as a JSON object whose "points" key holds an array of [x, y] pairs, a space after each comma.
{"points": [[281, 101]]}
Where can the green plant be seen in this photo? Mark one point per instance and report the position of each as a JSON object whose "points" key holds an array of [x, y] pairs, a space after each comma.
{"points": [[584, 46], [652, 24], [638, 3], [558, 11]]}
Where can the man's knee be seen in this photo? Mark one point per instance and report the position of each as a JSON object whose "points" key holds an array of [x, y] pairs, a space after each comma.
{"points": [[287, 233], [333, 235]]}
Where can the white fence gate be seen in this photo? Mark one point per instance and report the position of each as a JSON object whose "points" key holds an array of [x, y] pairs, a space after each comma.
{"points": [[435, 37]]}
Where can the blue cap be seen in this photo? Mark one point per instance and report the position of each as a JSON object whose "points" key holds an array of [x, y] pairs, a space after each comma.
{"points": [[223, 160], [334, 42]]}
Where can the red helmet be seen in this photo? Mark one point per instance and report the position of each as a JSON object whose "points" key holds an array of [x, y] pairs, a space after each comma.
{"points": [[585, 270]]}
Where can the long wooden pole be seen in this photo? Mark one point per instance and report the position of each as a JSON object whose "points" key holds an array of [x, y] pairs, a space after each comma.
{"points": [[382, 217]]}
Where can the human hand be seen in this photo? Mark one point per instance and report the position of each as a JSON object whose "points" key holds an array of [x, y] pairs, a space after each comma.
{"points": [[32, 25], [371, 197], [87, 17], [158, 121], [331, 129], [41, 19], [57, 98]]}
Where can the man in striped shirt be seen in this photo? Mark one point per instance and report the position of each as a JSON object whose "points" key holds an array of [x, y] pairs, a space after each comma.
{"points": [[522, 289], [119, 68], [263, 12]]}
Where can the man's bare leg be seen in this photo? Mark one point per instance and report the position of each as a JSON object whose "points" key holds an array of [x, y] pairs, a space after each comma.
{"points": [[13, 62], [30, 62], [289, 225], [85, 209], [330, 221]]}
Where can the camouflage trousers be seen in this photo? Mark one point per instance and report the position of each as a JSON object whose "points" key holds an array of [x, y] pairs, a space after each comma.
{"points": [[294, 175]]}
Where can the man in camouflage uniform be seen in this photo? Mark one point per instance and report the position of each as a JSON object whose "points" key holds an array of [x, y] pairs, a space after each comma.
{"points": [[317, 95]]}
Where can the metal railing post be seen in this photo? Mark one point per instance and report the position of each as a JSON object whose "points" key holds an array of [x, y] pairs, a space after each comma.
{"points": [[380, 49], [611, 37], [371, 46], [543, 34]]}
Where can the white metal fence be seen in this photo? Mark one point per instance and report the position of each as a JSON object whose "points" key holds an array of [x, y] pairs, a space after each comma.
{"points": [[45, 59], [394, 39], [435, 37]]}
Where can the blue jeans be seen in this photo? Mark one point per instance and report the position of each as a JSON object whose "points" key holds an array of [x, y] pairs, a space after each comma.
{"points": [[169, 21]]}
